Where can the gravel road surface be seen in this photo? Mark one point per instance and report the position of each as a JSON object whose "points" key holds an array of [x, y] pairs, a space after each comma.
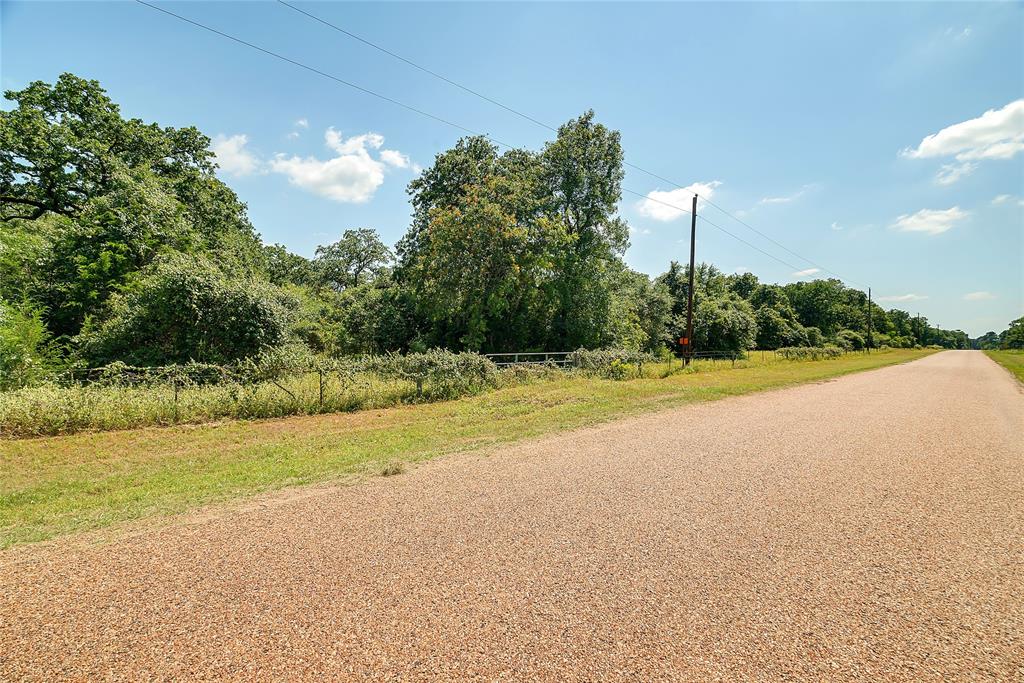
{"points": [[867, 528]]}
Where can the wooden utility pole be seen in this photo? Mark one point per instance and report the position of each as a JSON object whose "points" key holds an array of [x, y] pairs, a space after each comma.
{"points": [[869, 320], [688, 350]]}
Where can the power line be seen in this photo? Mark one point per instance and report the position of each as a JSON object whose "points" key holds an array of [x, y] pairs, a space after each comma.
{"points": [[307, 67], [418, 66], [440, 119], [552, 128]]}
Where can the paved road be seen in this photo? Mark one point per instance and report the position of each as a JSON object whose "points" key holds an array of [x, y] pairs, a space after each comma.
{"points": [[867, 528]]}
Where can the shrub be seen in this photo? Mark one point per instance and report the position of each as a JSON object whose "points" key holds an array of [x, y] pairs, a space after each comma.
{"points": [[185, 309], [609, 363], [850, 340], [437, 373], [27, 354], [809, 352]]}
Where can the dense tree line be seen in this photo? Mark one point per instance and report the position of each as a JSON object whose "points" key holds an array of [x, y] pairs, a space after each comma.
{"points": [[118, 243], [1010, 338]]}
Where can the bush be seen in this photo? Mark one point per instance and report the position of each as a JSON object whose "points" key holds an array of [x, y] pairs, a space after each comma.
{"points": [[27, 354], [186, 310], [814, 337], [437, 373], [609, 363], [850, 340], [809, 352]]}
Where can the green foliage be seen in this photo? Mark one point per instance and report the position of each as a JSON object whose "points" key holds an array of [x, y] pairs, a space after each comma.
{"points": [[520, 250], [851, 341], [437, 373], [775, 330], [184, 309], [1013, 337], [358, 253], [724, 324], [809, 352], [27, 353], [610, 363]]}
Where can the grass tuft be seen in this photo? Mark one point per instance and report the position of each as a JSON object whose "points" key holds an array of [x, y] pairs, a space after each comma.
{"points": [[392, 467]]}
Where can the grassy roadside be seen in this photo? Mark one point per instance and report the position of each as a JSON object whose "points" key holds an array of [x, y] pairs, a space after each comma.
{"points": [[1011, 360], [60, 485]]}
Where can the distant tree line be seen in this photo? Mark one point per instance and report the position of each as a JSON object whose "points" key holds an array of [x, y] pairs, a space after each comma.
{"points": [[1010, 338], [119, 243]]}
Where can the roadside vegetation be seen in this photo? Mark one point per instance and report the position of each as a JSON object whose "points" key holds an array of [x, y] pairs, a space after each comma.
{"points": [[59, 485], [119, 244]]}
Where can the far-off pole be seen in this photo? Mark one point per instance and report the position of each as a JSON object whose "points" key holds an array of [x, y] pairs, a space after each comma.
{"points": [[869, 320], [688, 342]]}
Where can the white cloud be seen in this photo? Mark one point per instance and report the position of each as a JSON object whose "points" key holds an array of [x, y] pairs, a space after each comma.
{"points": [[979, 296], [639, 231], [356, 144], [232, 155], [296, 133], [739, 270], [786, 199], [670, 205], [959, 35], [835, 225], [352, 176], [931, 221], [902, 297], [950, 173], [398, 160], [1005, 199], [805, 273], [996, 134]]}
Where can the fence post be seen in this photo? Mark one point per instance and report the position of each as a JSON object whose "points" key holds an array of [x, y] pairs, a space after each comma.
{"points": [[320, 371]]}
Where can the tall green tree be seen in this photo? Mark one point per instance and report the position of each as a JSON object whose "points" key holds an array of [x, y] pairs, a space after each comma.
{"points": [[359, 253]]}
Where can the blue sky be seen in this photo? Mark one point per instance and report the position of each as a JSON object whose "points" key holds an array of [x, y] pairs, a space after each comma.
{"points": [[811, 122]]}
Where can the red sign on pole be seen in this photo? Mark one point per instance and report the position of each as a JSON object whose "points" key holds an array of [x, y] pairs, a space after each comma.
{"points": [[683, 341]]}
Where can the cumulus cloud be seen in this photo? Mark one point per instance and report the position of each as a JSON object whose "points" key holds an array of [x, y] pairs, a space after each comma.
{"points": [[232, 155], [302, 123], [996, 134], [979, 296], [930, 221], [352, 175], [806, 273], [671, 204], [835, 226], [902, 297]]}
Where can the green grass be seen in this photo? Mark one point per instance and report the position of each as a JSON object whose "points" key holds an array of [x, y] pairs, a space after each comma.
{"points": [[60, 485], [1011, 360]]}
